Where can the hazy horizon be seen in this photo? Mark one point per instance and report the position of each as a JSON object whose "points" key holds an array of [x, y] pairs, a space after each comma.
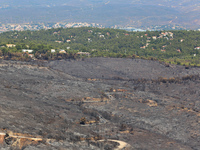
{"points": [[136, 13]]}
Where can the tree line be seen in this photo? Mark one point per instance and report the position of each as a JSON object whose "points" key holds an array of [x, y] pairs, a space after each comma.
{"points": [[181, 48]]}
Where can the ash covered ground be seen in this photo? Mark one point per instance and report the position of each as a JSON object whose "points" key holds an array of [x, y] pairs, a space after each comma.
{"points": [[100, 103]]}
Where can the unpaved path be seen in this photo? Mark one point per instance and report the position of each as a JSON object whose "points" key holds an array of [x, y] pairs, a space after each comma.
{"points": [[122, 144]]}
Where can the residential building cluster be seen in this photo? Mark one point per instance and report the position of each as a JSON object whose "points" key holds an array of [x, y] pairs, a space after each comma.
{"points": [[39, 26], [165, 35], [61, 51]]}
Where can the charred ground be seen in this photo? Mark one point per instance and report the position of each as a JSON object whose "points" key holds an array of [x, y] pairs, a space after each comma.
{"points": [[144, 103]]}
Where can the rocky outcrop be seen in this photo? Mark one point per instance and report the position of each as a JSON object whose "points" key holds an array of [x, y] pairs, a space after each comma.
{"points": [[2, 137]]}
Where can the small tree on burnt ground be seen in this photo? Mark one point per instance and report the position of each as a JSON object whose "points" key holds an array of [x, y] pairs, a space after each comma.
{"points": [[83, 120], [123, 127]]}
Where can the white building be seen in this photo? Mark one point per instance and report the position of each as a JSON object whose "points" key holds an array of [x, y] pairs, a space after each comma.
{"points": [[10, 45], [83, 53], [27, 50], [53, 50], [62, 51]]}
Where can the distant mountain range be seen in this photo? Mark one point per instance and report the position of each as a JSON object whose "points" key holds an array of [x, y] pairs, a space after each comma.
{"points": [[137, 13]]}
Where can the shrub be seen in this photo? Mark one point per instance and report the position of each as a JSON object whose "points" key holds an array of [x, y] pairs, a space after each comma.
{"points": [[186, 67], [167, 65], [83, 120], [123, 127]]}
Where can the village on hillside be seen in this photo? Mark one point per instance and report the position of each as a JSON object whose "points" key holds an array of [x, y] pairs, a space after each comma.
{"points": [[39, 26]]}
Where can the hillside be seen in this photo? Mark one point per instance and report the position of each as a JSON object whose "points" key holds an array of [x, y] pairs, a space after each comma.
{"points": [[173, 47], [141, 14], [98, 103]]}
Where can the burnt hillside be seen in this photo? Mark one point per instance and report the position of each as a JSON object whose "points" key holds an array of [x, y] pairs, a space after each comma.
{"points": [[99, 103]]}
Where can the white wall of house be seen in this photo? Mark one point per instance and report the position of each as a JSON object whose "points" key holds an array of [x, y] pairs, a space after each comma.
{"points": [[27, 50]]}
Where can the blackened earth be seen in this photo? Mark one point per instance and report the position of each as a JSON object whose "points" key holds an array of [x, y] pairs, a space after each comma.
{"points": [[124, 96]]}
